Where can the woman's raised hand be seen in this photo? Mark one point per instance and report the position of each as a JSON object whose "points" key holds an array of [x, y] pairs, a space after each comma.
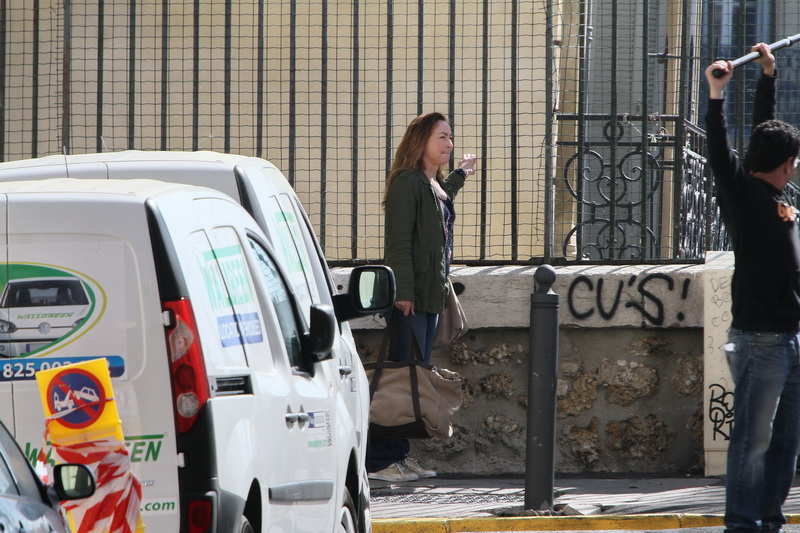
{"points": [[467, 163]]}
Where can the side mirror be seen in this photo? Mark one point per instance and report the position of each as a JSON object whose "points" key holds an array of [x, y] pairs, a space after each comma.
{"points": [[73, 481], [371, 290], [322, 332]]}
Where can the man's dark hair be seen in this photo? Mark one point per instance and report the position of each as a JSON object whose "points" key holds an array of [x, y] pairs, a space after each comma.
{"points": [[771, 144]]}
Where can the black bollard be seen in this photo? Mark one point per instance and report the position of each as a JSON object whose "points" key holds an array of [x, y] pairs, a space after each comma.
{"points": [[542, 366]]}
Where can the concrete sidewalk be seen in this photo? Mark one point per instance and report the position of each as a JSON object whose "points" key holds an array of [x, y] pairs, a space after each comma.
{"points": [[445, 504]]}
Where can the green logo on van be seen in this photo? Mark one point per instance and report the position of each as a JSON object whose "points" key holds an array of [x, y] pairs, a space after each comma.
{"points": [[226, 277], [42, 306]]}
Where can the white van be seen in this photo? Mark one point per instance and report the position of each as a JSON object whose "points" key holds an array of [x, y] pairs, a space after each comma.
{"points": [[242, 399], [261, 189]]}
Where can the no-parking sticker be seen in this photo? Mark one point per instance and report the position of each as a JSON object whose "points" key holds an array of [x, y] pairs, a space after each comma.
{"points": [[78, 401], [76, 398]]}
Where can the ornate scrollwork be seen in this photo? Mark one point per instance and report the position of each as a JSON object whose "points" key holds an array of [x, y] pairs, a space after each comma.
{"points": [[613, 208]]}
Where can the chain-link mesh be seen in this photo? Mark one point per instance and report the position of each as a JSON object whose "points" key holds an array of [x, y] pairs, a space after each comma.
{"points": [[322, 88], [586, 114]]}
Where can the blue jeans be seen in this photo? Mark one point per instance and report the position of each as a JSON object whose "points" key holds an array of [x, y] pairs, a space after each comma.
{"points": [[765, 439], [424, 325], [385, 451]]}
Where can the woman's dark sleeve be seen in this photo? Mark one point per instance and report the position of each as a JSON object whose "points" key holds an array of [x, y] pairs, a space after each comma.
{"points": [[453, 183]]}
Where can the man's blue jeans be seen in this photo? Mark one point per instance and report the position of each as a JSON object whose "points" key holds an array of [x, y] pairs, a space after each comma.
{"points": [[765, 439]]}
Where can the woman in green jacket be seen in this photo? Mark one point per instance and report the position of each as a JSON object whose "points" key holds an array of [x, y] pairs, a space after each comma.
{"points": [[418, 202]]}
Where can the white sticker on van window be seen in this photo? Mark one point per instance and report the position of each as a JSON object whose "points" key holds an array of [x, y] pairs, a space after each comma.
{"points": [[230, 288], [226, 277], [248, 323]]}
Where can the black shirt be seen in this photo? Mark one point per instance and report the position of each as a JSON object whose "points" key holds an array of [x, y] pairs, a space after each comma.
{"points": [[762, 225]]}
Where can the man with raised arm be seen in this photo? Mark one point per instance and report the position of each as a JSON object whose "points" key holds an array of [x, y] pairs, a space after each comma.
{"points": [[763, 347]]}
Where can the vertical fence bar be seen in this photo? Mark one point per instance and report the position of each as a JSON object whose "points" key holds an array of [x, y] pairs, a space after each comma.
{"points": [[644, 139], [451, 68], [513, 132], [420, 49], [773, 21], [292, 89], [323, 127], [101, 37], [612, 159], [65, 78], [484, 129], [740, 79], [773, 26], [354, 131], [3, 51], [196, 77], [132, 76], [680, 127], [387, 149], [34, 81], [584, 31], [548, 133], [712, 41], [164, 73], [260, 89], [227, 77]]}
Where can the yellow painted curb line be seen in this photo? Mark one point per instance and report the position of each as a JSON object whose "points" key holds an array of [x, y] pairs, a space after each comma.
{"points": [[551, 523], [544, 523]]}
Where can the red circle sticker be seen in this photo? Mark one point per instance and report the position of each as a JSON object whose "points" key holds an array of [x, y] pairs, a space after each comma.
{"points": [[76, 398]]}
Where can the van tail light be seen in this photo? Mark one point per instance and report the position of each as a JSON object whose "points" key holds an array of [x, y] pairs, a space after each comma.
{"points": [[187, 369], [200, 516]]}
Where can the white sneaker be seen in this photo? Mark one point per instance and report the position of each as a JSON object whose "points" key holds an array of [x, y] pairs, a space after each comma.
{"points": [[413, 466], [394, 472]]}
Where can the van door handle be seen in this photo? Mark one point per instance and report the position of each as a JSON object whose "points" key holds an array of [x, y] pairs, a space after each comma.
{"points": [[302, 418], [345, 370], [291, 419]]}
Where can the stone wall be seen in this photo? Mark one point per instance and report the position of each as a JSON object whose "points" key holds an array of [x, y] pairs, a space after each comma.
{"points": [[630, 370]]}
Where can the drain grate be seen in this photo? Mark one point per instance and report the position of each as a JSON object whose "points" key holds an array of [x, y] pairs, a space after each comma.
{"points": [[447, 498]]}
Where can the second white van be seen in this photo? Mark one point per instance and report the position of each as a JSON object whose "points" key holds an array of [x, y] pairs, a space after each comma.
{"points": [[237, 411]]}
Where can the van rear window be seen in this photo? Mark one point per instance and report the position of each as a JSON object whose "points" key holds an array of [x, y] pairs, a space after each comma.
{"points": [[44, 293]]}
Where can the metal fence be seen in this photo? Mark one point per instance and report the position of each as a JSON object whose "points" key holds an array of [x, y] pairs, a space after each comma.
{"points": [[631, 166], [586, 114]]}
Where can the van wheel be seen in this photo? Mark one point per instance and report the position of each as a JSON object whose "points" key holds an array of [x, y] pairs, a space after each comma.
{"points": [[245, 526], [347, 515]]}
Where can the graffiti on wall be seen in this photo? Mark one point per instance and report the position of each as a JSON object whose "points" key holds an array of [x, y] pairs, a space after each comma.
{"points": [[653, 289], [719, 313], [720, 411]]}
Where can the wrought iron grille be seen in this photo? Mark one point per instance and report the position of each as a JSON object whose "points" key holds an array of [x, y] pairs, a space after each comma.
{"points": [[586, 114], [616, 187]]}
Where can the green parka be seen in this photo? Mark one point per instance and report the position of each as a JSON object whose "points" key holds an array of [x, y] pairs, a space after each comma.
{"points": [[415, 238]]}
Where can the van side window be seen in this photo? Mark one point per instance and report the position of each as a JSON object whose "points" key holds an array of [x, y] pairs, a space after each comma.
{"points": [[281, 301], [7, 485], [285, 230], [314, 249]]}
